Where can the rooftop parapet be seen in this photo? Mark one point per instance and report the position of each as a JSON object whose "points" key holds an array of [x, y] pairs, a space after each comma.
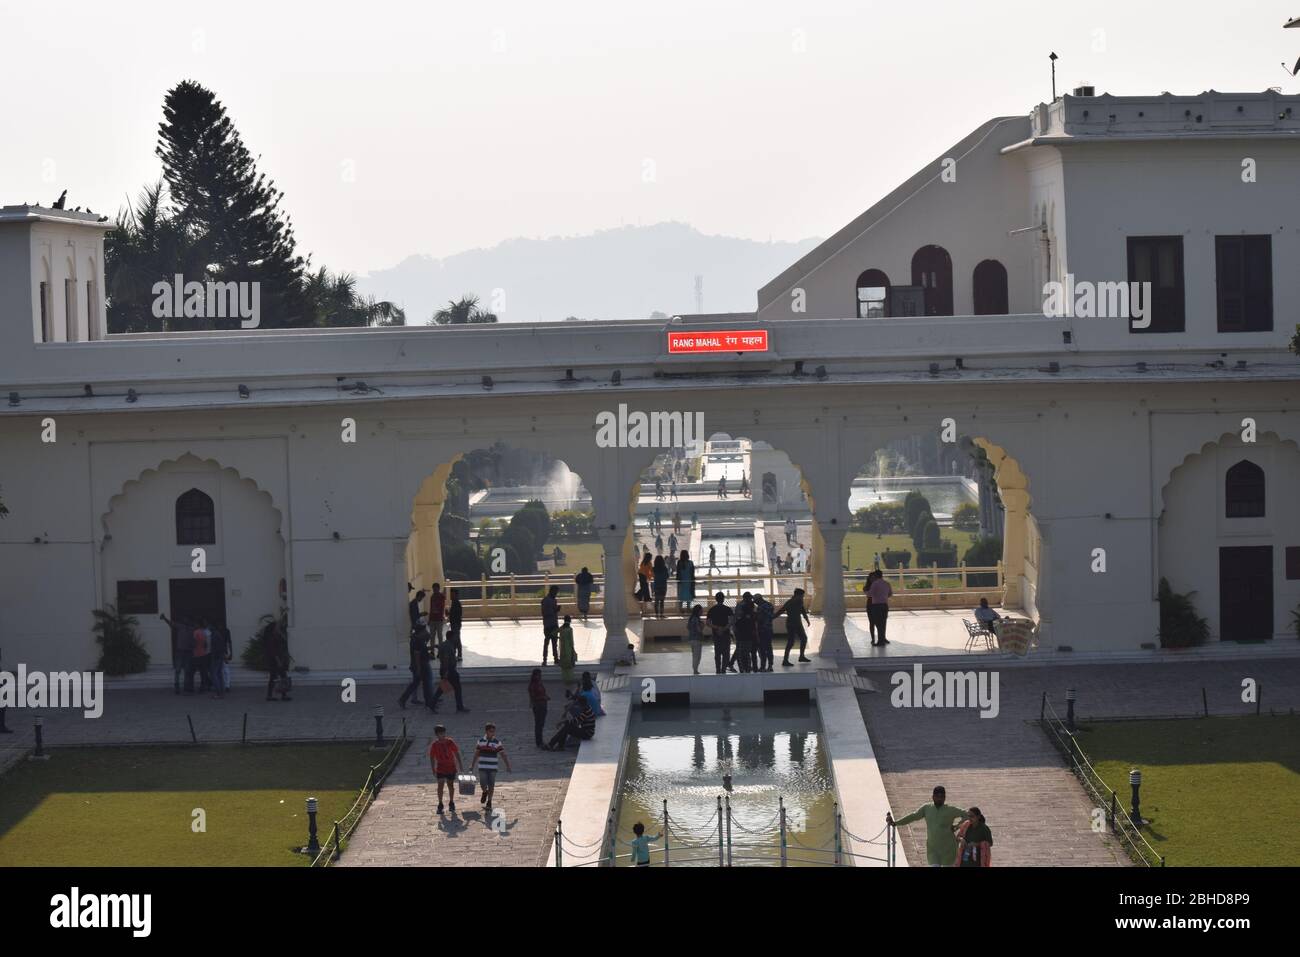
{"points": [[1209, 114]]}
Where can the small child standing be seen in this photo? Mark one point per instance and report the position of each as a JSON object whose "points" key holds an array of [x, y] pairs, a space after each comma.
{"points": [[641, 845], [444, 761]]}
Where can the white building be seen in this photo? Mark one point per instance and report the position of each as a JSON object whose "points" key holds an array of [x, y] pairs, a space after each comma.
{"points": [[1124, 455]]}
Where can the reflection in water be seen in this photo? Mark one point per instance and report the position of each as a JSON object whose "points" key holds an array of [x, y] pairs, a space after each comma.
{"points": [[773, 751]]}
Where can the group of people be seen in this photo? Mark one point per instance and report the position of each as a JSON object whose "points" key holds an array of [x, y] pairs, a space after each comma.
{"points": [[578, 720], [878, 592], [200, 647], [969, 845], [751, 624], [445, 762], [435, 633], [744, 486], [652, 581], [671, 494], [794, 561]]}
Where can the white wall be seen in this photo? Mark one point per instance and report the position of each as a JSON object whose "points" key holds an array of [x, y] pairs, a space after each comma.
{"points": [[1194, 525], [248, 553]]}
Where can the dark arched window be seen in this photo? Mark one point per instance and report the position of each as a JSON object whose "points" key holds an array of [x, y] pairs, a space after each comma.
{"points": [[873, 295], [196, 522], [932, 271], [990, 288], [1244, 490]]}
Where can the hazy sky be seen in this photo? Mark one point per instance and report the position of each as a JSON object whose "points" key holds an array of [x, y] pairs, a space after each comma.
{"points": [[401, 128]]}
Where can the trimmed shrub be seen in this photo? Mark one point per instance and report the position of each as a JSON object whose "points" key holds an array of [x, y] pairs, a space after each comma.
{"points": [[1180, 625], [521, 549], [894, 558], [913, 505], [917, 584], [966, 518], [917, 530], [123, 653], [930, 535], [460, 562], [254, 654], [983, 552], [536, 519], [945, 556], [573, 525]]}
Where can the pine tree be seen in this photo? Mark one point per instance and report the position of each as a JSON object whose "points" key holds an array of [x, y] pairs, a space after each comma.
{"points": [[221, 197]]}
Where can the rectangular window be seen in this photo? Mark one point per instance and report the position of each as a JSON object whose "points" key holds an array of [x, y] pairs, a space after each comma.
{"points": [[70, 309], [873, 302], [1158, 260], [1293, 563], [1244, 273], [90, 309], [137, 597], [47, 334]]}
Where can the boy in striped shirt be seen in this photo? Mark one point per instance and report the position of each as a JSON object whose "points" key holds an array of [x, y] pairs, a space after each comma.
{"points": [[487, 752]]}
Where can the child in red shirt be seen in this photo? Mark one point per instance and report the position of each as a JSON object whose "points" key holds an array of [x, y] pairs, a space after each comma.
{"points": [[444, 761]]}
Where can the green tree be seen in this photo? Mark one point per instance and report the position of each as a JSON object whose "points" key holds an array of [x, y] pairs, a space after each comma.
{"points": [[333, 301], [966, 518], [918, 526], [983, 553], [462, 311], [122, 652], [1180, 625], [221, 196], [930, 537]]}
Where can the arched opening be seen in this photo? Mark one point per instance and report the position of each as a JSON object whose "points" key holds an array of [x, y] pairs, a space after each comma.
{"points": [[196, 519], [501, 524], [990, 289], [932, 271], [873, 294], [1243, 491], [946, 524], [151, 530], [1223, 548]]}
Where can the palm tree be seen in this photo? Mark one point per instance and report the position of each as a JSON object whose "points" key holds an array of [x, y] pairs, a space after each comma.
{"points": [[334, 301], [461, 311]]}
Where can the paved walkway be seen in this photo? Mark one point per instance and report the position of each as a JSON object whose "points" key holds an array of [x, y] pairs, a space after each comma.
{"points": [[402, 828], [1035, 807]]}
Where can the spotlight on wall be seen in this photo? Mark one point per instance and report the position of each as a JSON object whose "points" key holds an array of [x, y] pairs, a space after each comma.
{"points": [[820, 372], [243, 392], [14, 398], [934, 368], [87, 391], [487, 382], [131, 395], [616, 378]]}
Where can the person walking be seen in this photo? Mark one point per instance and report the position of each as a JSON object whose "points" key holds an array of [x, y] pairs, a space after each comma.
{"points": [[568, 657], [455, 616], [537, 699], [795, 616], [488, 753], [217, 651], [672, 544], [677, 521], [722, 487], [672, 493], [277, 660], [551, 624], [182, 653], [421, 677], [713, 558], [444, 762], [449, 677], [974, 841], [583, 582], [695, 636], [879, 593], [763, 615], [939, 817], [659, 544], [685, 580], [720, 623], [659, 570]]}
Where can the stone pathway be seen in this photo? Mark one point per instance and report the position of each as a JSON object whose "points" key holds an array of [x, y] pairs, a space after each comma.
{"points": [[1037, 810], [402, 827]]}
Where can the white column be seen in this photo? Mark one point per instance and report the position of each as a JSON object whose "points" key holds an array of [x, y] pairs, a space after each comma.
{"points": [[835, 643], [613, 541]]}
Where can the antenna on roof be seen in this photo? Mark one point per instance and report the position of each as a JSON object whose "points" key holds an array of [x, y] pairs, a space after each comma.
{"points": [[1053, 58]]}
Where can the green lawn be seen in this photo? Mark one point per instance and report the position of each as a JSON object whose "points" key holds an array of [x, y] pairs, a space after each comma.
{"points": [[861, 547], [1216, 791], [133, 806], [576, 554]]}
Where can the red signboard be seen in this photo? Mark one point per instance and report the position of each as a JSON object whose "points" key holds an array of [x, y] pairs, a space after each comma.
{"points": [[729, 340]]}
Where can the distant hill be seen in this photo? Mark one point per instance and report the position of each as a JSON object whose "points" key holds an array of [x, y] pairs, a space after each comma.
{"points": [[625, 273]]}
